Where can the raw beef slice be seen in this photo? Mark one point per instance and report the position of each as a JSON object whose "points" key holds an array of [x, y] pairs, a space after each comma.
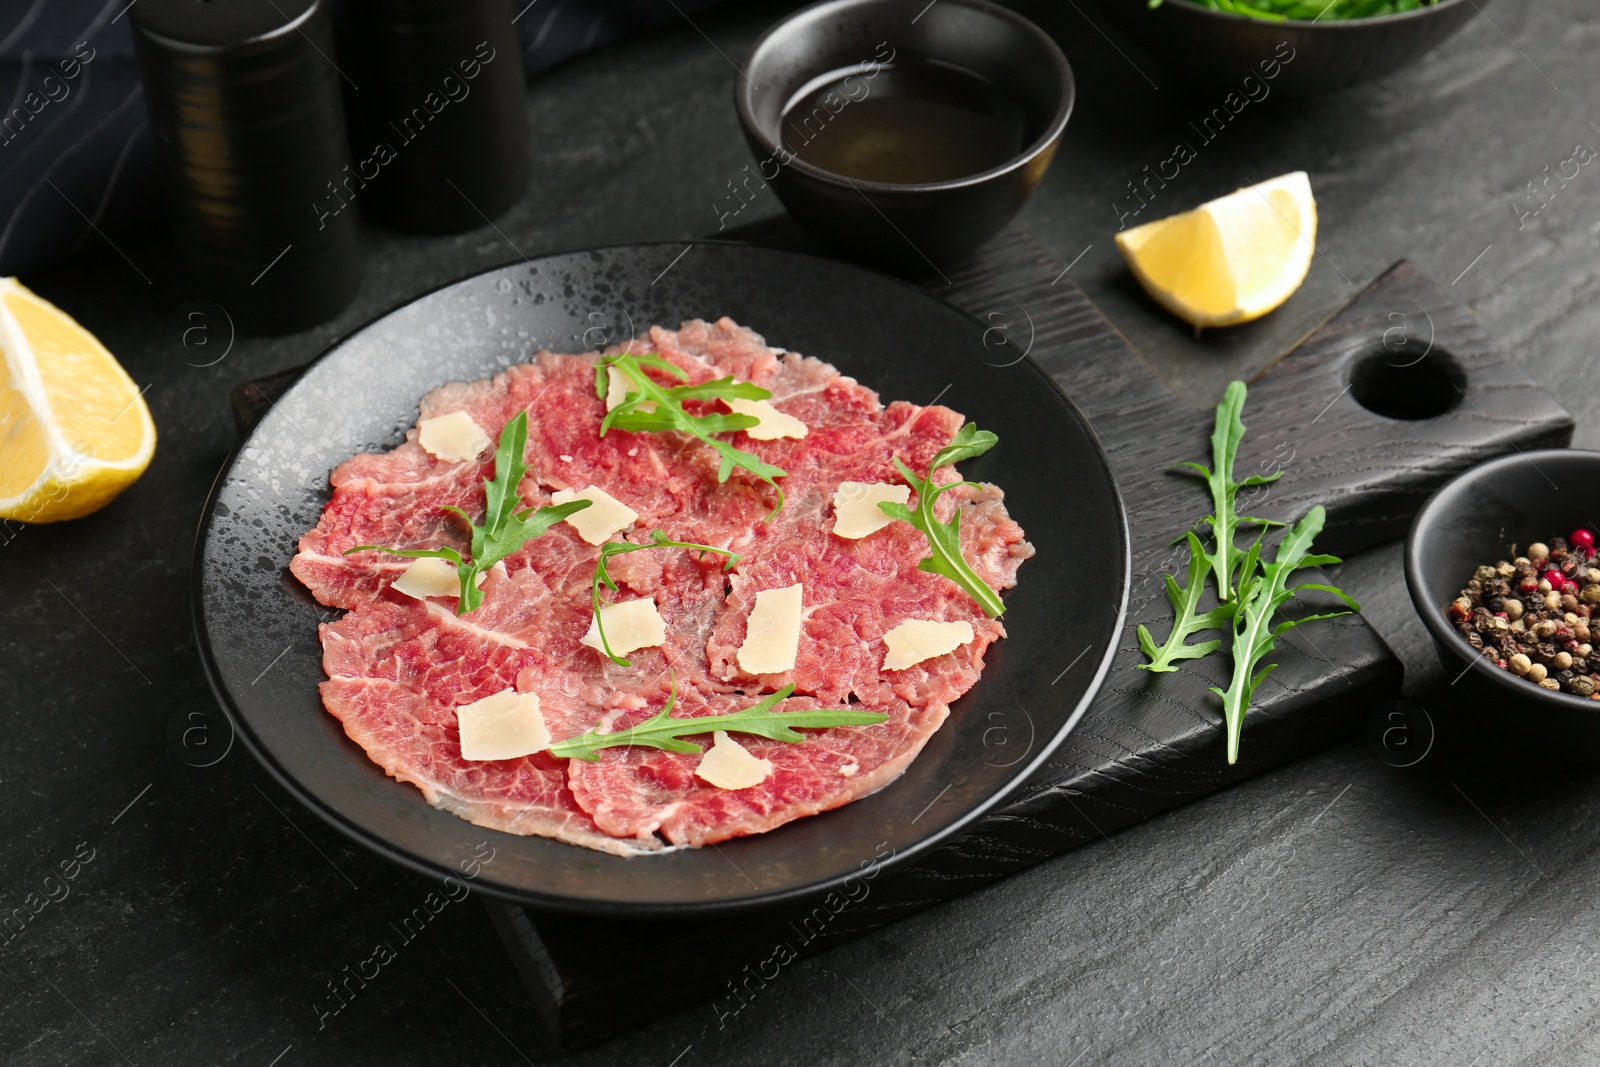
{"points": [[399, 667]]}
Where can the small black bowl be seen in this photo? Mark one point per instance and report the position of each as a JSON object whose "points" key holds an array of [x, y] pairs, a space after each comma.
{"points": [[903, 226], [1304, 58], [1473, 520]]}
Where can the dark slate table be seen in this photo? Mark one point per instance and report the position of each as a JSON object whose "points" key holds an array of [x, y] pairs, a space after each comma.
{"points": [[1333, 911]]}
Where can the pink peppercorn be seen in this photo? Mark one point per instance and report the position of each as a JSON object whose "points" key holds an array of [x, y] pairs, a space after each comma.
{"points": [[1582, 539]]}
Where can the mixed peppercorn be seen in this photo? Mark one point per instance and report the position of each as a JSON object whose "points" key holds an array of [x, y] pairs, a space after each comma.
{"points": [[1530, 615]]}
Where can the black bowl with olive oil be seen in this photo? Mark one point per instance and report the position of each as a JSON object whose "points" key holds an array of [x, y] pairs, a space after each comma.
{"points": [[903, 133], [1476, 518]]}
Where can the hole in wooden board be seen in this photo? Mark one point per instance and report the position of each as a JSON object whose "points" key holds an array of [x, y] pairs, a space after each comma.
{"points": [[1409, 381]]}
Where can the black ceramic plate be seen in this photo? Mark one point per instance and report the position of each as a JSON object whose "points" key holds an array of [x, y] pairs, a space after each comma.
{"points": [[257, 625]]}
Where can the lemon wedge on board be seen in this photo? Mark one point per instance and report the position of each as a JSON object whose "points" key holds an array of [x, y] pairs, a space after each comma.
{"points": [[74, 431], [1231, 260]]}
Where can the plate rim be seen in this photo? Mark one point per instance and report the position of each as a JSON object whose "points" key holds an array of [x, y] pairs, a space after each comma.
{"points": [[758, 900]]}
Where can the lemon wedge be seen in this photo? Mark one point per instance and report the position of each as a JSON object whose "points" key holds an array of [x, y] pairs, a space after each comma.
{"points": [[74, 431], [1231, 260]]}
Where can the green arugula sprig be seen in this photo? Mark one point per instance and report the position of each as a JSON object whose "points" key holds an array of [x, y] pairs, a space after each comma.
{"points": [[1187, 618], [504, 529], [663, 732], [1309, 10], [944, 538], [1250, 590], [1224, 519], [1260, 597], [649, 407], [602, 575]]}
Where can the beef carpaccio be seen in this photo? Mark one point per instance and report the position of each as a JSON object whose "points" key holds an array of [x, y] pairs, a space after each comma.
{"points": [[398, 667]]}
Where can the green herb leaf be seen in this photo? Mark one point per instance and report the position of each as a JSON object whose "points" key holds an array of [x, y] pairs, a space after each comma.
{"points": [[504, 529], [1260, 597], [1187, 619], [663, 732], [1224, 519], [944, 538], [649, 407], [969, 442], [602, 575]]}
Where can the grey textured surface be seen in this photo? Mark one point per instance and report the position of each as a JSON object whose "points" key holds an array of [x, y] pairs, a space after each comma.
{"points": [[1335, 911]]}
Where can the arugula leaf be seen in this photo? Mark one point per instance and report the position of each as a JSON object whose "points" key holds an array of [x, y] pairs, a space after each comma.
{"points": [[504, 529], [944, 539], [649, 407], [663, 732], [622, 548], [1186, 620], [1260, 596], [1224, 518]]}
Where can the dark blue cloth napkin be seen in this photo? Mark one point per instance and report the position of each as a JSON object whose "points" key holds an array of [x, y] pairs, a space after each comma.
{"points": [[76, 159]]}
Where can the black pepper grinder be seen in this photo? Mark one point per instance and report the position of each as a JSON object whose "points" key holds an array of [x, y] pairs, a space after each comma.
{"points": [[439, 128], [245, 105]]}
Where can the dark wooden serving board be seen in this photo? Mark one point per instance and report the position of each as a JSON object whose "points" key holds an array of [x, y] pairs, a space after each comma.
{"points": [[1149, 742]]}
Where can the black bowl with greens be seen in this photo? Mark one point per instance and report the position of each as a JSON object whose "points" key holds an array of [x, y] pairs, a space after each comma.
{"points": [[1250, 57]]}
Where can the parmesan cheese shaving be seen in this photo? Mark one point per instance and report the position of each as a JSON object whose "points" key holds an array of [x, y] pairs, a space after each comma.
{"points": [[630, 625], [772, 636], [432, 576], [617, 391], [616, 388], [774, 423], [855, 507], [918, 639], [506, 725], [454, 436], [602, 518], [729, 765]]}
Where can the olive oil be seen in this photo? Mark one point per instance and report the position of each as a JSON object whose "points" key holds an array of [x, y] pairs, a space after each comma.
{"points": [[910, 123]]}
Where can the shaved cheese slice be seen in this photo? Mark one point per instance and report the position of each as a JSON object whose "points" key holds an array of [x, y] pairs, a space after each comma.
{"points": [[855, 507], [772, 636], [630, 624], [774, 423], [431, 576], [617, 391], [604, 517], [506, 725], [454, 436], [729, 765], [616, 388], [918, 639]]}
